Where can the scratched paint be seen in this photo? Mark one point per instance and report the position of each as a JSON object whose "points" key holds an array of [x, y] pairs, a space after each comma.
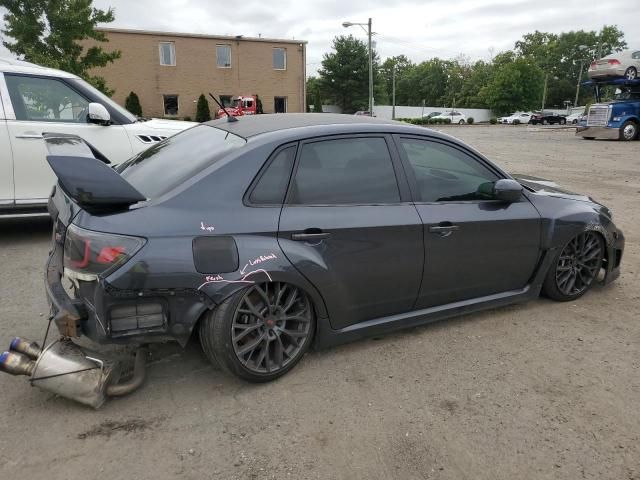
{"points": [[206, 228], [245, 279]]}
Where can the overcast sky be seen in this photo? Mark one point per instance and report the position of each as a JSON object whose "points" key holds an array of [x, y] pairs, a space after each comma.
{"points": [[420, 29]]}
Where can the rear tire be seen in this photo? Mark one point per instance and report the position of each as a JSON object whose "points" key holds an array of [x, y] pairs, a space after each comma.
{"points": [[631, 73], [575, 267], [259, 333]]}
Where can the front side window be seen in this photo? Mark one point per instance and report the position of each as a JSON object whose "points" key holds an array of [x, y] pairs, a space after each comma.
{"points": [[41, 99], [164, 165], [445, 174], [272, 185], [170, 105], [223, 56], [345, 171], [279, 58], [167, 53]]}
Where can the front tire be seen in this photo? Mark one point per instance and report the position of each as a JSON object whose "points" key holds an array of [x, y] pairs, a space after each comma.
{"points": [[575, 267], [629, 131], [259, 333]]}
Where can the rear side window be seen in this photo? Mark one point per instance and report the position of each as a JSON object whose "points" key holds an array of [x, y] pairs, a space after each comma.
{"points": [[167, 164], [345, 171], [272, 185]]}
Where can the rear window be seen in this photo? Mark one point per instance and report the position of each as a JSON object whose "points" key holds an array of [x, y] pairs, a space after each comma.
{"points": [[164, 166]]}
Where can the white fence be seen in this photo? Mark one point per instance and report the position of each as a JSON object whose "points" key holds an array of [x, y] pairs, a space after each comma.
{"points": [[384, 111]]}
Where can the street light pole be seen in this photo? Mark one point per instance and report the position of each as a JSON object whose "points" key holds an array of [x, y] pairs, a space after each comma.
{"points": [[393, 93], [575, 103], [369, 33], [370, 72], [544, 92]]}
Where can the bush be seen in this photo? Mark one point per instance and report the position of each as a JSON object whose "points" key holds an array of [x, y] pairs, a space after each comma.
{"points": [[187, 118], [132, 103], [203, 114], [493, 120], [470, 120], [447, 121]]}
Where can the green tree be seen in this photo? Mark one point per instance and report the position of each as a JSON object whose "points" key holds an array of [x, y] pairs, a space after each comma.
{"points": [[132, 103], [317, 101], [403, 67], [50, 33], [203, 114], [516, 84], [344, 76]]}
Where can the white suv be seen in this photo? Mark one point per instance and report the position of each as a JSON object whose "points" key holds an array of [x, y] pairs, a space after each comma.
{"points": [[36, 100]]}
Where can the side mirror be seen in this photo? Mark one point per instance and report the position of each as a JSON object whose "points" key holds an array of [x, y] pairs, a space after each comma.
{"points": [[98, 114], [507, 190]]}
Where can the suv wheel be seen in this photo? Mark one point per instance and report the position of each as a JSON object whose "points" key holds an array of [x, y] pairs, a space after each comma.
{"points": [[259, 333]]}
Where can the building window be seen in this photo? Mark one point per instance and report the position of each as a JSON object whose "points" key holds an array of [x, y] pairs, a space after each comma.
{"points": [[279, 58], [223, 56], [280, 104], [225, 100], [167, 53], [170, 105]]}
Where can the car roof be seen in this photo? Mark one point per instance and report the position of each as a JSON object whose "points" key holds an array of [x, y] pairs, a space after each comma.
{"points": [[252, 125], [11, 65]]}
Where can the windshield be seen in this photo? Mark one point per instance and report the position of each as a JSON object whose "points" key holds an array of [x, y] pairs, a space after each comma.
{"points": [[170, 163], [104, 99], [627, 95]]}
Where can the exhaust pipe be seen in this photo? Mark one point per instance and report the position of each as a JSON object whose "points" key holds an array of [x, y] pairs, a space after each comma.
{"points": [[70, 371]]}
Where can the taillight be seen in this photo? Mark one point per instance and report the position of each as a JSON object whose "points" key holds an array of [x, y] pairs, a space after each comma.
{"points": [[613, 61], [88, 254]]}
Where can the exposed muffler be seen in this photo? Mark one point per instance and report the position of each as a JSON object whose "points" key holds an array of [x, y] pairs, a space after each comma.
{"points": [[71, 371]]}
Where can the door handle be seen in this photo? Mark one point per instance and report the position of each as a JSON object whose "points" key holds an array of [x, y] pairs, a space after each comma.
{"points": [[444, 229], [30, 136], [310, 235]]}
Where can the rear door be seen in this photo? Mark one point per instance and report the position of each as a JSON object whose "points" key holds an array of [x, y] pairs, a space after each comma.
{"points": [[349, 227], [6, 156], [474, 245], [46, 104]]}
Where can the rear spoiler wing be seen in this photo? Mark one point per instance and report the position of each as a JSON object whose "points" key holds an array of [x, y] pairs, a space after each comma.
{"points": [[84, 175]]}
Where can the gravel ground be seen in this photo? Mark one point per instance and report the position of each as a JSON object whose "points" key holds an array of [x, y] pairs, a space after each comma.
{"points": [[537, 391]]}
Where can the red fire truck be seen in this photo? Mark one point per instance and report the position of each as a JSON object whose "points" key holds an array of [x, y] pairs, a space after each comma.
{"points": [[241, 105]]}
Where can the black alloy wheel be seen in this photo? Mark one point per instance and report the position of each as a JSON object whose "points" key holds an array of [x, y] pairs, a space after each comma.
{"points": [[260, 333], [576, 267]]}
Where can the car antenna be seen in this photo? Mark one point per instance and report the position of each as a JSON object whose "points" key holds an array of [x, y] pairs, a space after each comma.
{"points": [[229, 117]]}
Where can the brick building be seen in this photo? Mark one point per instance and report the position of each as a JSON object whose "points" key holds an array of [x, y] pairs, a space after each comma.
{"points": [[169, 71]]}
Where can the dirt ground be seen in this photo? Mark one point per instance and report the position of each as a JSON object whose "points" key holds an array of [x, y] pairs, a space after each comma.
{"points": [[542, 390]]}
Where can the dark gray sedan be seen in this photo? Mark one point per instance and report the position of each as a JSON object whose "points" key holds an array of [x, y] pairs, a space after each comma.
{"points": [[276, 232]]}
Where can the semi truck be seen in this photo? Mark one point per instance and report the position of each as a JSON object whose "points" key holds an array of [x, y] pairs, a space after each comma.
{"points": [[618, 119]]}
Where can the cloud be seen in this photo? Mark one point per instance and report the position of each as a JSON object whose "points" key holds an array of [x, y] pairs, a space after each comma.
{"points": [[420, 29]]}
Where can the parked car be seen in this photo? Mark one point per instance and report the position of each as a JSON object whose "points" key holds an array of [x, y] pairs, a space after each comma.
{"points": [[364, 113], [547, 118], [276, 232], [575, 118], [618, 64], [431, 114], [454, 116], [35, 100], [516, 118]]}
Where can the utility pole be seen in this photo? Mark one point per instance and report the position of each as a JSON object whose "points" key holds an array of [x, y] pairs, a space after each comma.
{"points": [[370, 72], [575, 103], [393, 93], [544, 91]]}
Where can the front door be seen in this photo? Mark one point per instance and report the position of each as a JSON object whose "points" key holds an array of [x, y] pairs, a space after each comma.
{"points": [[474, 245], [280, 104], [48, 104], [347, 228]]}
